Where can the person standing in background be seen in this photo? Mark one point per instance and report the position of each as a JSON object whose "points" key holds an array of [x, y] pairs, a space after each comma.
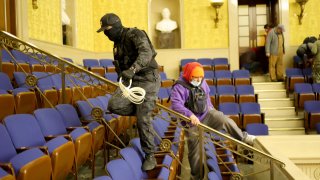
{"points": [[316, 62], [264, 60], [275, 51]]}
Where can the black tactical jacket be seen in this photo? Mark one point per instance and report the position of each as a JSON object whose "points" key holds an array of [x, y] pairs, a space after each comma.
{"points": [[134, 50]]}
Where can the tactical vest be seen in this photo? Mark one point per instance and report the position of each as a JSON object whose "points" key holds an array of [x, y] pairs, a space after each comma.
{"points": [[197, 100], [126, 53]]}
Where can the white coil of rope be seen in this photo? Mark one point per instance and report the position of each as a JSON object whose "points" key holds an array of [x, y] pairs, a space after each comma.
{"points": [[135, 95]]}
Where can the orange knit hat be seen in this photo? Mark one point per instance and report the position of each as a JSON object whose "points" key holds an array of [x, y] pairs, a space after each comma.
{"points": [[193, 69]]}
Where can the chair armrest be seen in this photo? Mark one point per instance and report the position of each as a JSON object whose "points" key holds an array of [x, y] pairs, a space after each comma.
{"points": [[44, 149], [21, 149], [169, 133], [262, 117], [67, 136], [172, 127], [256, 97], [8, 168], [69, 129]]}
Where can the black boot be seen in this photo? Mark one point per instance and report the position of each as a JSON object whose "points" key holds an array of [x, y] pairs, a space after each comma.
{"points": [[149, 162]]}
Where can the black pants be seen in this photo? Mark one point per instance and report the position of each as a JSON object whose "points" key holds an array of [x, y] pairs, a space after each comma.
{"points": [[150, 82]]}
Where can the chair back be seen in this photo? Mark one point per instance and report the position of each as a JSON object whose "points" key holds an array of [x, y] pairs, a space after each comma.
{"points": [[257, 129], [24, 130], [119, 169], [205, 61], [106, 63], [244, 89], [226, 89], [69, 115], [20, 79], [5, 82], [185, 61], [44, 80], [112, 76], [134, 160], [242, 73], [20, 57], [5, 56], [250, 108], [229, 108], [50, 121], [219, 61], [293, 72], [213, 90], [223, 74], [312, 106], [303, 88], [7, 150], [90, 63]]}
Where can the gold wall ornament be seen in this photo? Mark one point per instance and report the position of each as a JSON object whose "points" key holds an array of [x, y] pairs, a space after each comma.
{"points": [[302, 4], [35, 4], [216, 4]]}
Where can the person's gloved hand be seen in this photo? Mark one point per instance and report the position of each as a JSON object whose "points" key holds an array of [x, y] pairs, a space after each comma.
{"points": [[127, 74]]}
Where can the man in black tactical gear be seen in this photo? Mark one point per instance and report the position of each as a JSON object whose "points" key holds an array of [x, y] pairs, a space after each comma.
{"points": [[134, 58]]}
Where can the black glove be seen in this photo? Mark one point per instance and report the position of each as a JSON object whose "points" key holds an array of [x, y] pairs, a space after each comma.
{"points": [[127, 74]]}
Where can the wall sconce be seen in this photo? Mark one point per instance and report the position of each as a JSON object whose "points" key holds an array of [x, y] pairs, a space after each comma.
{"points": [[216, 4], [35, 4], [302, 4]]}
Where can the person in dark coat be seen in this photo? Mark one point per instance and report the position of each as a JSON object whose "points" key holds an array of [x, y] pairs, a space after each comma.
{"points": [[134, 58]]}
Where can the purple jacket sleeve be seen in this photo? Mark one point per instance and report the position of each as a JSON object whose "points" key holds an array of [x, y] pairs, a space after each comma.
{"points": [[179, 96]]}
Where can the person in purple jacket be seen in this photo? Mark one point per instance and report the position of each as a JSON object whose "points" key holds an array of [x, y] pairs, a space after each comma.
{"points": [[193, 74]]}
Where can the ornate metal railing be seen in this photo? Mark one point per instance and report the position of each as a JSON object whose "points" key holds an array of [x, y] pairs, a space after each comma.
{"points": [[243, 154]]}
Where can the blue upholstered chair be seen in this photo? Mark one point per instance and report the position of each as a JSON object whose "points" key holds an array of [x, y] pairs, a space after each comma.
{"points": [[25, 132]]}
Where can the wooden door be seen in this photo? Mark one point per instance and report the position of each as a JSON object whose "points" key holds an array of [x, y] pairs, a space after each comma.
{"points": [[252, 16], [7, 16]]}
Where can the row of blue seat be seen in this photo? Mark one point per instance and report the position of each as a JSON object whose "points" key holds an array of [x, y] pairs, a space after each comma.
{"points": [[205, 61], [28, 58], [297, 75], [48, 128], [243, 113], [311, 115], [29, 62], [164, 92], [89, 63], [304, 92], [218, 94]]}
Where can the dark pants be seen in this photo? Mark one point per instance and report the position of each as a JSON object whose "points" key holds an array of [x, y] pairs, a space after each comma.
{"points": [[150, 82], [216, 120]]}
